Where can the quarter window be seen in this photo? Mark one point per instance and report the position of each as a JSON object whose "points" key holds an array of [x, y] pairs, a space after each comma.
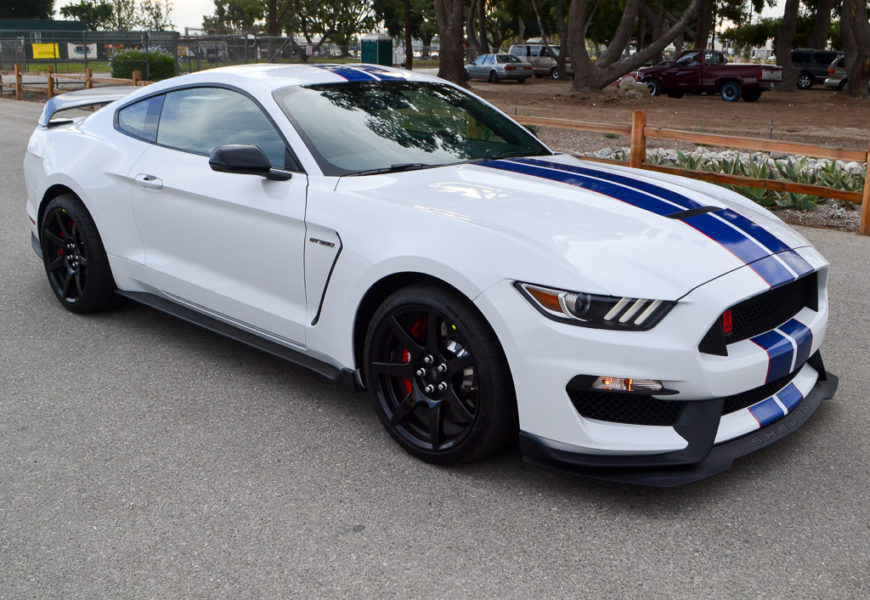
{"points": [[140, 119], [199, 120]]}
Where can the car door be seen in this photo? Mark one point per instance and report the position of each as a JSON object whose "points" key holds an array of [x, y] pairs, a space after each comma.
{"points": [[227, 244], [684, 74], [477, 67]]}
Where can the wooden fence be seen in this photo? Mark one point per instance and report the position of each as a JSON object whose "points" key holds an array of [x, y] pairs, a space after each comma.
{"points": [[639, 132], [51, 78]]}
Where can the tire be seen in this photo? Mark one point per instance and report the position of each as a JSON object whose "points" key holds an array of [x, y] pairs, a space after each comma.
{"points": [[75, 261], [655, 87], [554, 73], [730, 91], [751, 95], [493, 77], [437, 376], [675, 94], [805, 81], [522, 79], [843, 83], [465, 75]]}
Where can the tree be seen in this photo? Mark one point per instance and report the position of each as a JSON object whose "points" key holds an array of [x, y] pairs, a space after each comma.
{"points": [[125, 15], [26, 9], [450, 20], [589, 74], [821, 23], [154, 15], [346, 19], [423, 21], [784, 40], [855, 29], [234, 16], [96, 15]]}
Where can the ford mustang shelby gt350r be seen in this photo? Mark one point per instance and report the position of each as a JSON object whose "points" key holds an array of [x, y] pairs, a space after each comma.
{"points": [[392, 231]]}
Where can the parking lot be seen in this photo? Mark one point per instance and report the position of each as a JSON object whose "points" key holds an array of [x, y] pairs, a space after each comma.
{"points": [[143, 457]]}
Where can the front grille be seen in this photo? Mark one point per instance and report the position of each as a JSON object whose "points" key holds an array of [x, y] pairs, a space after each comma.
{"points": [[750, 397], [762, 313], [632, 409]]}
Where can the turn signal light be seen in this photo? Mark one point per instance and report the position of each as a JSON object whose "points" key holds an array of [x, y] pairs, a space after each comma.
{"points": [[627, 384]]}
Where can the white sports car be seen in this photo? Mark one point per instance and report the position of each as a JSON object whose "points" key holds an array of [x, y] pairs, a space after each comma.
{"points": [[396, 233]]}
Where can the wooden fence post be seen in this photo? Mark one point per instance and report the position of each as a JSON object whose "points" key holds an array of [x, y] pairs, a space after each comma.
{"points": [[638, 139], [89, 78], [136, 76], [864, 225], [50, 81], [17, 82]]}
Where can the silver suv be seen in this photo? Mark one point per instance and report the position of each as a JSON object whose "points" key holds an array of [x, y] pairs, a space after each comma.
{"points": [[542, 58]]}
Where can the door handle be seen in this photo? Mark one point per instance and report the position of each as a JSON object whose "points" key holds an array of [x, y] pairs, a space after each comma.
{"points": [[149, 182]]}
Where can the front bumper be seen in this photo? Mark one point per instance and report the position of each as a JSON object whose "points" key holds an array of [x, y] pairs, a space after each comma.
{"points": [[700, 459]]}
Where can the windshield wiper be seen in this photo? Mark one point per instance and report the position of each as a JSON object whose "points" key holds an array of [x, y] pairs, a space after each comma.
{"points": [[392, 169]]}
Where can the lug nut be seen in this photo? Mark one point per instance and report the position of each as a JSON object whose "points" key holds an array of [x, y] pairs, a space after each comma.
{"points": [[421, 372], [428, 359], [442, 386], [442, 368], [429, 389]]}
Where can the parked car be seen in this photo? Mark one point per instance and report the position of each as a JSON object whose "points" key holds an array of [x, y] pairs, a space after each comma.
{"points": [[496, 67], [393, 232], [837, 77], [542, 58], [812, 65], [697, 71]]}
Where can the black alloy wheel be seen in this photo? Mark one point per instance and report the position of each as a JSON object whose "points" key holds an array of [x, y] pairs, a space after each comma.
{"points": [[75, 261], [438, 377], [805, 81]]}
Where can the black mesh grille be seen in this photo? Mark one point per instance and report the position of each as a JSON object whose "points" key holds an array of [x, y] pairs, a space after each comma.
{"points": [[762, 313], [633, 409], [744, 399]]}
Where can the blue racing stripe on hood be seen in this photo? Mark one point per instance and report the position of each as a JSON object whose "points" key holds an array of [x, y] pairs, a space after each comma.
{"points": [[617, 192]]}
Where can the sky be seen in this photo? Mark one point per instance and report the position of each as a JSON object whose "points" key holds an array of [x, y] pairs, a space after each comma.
{"points": [[188, 13]]}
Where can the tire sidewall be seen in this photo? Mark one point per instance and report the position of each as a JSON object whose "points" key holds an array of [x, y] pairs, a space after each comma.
{"points": [[730, 92]]}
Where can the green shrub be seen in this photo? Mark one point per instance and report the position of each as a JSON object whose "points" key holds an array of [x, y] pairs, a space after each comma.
{"points": [[161, 62]]}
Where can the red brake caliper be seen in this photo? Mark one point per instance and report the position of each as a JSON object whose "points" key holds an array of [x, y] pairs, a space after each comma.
{"points": [[418, 330]]}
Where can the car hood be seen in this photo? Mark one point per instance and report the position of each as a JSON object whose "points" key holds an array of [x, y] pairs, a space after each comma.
{"points": [[628, 232]]}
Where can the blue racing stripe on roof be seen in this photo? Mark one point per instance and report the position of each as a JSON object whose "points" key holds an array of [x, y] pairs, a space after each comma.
{"points": [[380, 73], [803, 337], [348, 73], [766, 412], [619, 192], [779, 354], [790, 396]]}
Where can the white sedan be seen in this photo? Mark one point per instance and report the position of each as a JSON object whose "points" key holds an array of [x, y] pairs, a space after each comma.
{"points": [[396, 233]]}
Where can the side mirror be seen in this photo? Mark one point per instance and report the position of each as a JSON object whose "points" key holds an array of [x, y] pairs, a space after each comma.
{"points": [[245, 160]]}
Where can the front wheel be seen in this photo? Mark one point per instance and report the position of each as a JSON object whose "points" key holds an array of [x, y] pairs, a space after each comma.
{"points": [[655, 87], [75, 261], [437, 376], [554, 73], [730, 92]]}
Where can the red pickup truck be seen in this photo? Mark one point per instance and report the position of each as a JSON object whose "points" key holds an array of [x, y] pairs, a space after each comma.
{"points": [[696, 71]]}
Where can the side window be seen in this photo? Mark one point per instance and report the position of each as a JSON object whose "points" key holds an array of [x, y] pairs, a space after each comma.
{"points": [[688, 59], [479, 60], [140, 119], [199, 120], [534, 50], [488, 59], [516, 50]]}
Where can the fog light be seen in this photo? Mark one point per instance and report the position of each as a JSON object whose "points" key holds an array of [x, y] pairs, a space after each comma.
{"points": [[627, 384]]}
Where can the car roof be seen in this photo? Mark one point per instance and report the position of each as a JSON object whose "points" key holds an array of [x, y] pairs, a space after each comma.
{"points": [[270, 77]]}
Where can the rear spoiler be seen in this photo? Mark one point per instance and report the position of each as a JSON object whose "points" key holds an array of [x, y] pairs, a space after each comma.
{"points": [[81, 98]]}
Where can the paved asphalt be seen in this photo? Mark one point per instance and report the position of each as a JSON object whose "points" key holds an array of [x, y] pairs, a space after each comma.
{"points": [[141, 457]]}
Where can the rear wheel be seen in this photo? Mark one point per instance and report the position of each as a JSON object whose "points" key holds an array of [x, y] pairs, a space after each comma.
{"points": [[751, 95], [730, 91], [75, 261], [493, 77], [554, 73], [521, 80], [437, 376], [805, 81]]}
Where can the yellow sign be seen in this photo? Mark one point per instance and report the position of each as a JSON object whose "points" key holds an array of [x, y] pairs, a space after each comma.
{"points": [[45, 51]]}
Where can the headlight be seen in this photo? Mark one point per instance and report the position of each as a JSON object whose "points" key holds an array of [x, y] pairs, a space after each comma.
{"points": [[591, 310]]}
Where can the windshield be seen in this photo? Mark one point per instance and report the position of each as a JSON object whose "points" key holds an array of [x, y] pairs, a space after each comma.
{"points": [[367, 126]]}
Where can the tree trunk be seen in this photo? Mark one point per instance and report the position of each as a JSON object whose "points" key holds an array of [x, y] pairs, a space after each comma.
{"points": [[822, 24], [784, 39], [565, 50], [856, 28], [450, 15], [409, 48], [590, 74], [481, 24], [705, 23]]}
